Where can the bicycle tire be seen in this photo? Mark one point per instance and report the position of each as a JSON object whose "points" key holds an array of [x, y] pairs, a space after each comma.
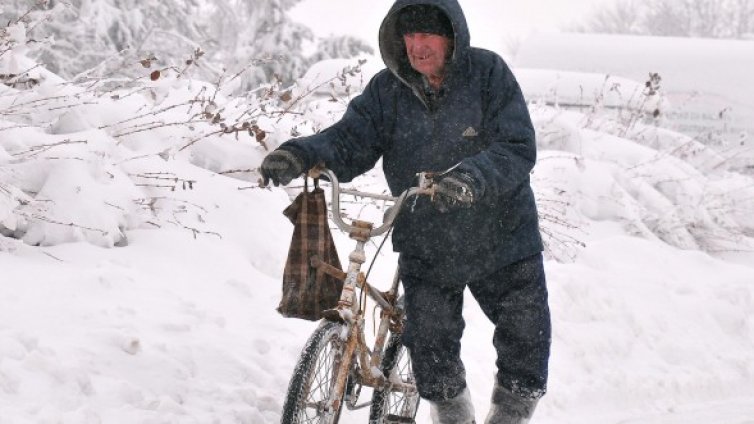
{"points": [[314, 376], [399, 406]]}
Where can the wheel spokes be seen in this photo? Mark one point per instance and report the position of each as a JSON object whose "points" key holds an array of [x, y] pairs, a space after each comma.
{"points": [[399, 402], [320, 385]]}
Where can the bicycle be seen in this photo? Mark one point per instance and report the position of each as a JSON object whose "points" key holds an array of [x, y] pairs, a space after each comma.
{"points": [[336, 361]]}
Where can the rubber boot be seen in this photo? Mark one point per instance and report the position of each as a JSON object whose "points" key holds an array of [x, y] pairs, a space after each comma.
{"points": [[509, 408], [458, 410]]}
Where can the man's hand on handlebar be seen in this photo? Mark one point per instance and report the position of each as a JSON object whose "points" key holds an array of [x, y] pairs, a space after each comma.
{"points": [[281, 167], [452, 191]]}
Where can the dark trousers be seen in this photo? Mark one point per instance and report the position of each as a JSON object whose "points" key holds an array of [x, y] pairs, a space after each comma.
{"points": [[514, 298]]}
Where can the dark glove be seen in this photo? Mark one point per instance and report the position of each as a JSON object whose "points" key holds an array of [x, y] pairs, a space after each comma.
{"points": [[281, 166], [453, 190]]}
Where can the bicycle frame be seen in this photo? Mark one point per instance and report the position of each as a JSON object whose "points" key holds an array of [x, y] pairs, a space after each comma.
{"points": [[348, 312]]}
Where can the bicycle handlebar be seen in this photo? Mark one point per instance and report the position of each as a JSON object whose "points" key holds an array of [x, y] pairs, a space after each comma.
{"points": [[425, 186]]}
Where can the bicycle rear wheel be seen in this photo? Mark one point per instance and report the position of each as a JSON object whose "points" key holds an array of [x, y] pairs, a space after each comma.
{"points": [[308, 398], [390, 405]]}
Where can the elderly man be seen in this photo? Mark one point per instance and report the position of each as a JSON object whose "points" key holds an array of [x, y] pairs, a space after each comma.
{"points": [[446, 107]]}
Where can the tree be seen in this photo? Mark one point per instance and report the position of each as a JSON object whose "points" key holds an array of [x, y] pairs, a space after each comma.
{"points": [[340, 47], [622, 18], [667, 18], [258, 36], [84, 33], [254, 39], [679, 18]]}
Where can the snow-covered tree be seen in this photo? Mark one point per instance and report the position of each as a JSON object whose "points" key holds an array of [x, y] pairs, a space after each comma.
{"points": [[679, 18], [258, 36], [254, 39], [340, 47], [83, 34]]}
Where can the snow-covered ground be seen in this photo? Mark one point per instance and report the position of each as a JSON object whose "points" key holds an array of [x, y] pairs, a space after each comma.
{"points": [[176, 329], [139, 275]]}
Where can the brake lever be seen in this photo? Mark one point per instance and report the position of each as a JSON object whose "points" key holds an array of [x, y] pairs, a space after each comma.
{"points": [[426, 184]]}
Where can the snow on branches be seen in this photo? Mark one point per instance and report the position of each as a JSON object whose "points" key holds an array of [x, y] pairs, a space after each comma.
{"points": [[89, 159]]}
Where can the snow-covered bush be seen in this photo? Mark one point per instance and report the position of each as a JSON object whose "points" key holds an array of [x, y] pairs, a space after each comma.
{"points": [[625, 101], [656, 183], [89, 161]]}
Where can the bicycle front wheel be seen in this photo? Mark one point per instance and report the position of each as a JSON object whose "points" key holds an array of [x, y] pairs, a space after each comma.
{"points": [[390, 405], [309, 391]]}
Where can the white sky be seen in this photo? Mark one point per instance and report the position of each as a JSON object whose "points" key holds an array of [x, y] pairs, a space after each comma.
{"points": [[494, 24]]}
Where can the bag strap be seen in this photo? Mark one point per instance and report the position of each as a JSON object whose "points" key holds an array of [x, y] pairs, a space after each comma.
{"points": [[306, 183], [322, 266]]}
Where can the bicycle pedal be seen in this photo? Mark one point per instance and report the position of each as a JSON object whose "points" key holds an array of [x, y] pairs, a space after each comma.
{"points": [[395, 419]]}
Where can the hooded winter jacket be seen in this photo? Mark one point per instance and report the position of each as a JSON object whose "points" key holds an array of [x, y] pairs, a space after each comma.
{"points": [[478, 118]]}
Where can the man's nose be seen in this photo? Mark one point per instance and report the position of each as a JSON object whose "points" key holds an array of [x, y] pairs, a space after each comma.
{"points": [[419, 44]]}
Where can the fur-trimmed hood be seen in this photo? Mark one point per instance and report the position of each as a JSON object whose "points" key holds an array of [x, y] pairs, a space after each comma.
{"points": [[393, 50]]}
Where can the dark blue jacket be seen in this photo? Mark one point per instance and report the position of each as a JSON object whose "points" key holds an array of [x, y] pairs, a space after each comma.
{"points": [[480, 119]]}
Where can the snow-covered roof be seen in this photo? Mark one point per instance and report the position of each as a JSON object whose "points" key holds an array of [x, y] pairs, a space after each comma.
{"points": [[584, 89], [711, 65], [709, 83]]}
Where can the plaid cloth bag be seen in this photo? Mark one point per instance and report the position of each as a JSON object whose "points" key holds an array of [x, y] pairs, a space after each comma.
{"points": [[310, 285]]}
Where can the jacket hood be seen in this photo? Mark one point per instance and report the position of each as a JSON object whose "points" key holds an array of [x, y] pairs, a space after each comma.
{"points": [[393, 50]]}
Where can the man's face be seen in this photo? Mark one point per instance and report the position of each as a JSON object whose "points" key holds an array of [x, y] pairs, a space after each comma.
{"points": [[427, 52]]}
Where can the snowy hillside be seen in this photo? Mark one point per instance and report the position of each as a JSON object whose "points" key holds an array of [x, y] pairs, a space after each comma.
{"points": [[707, 82], [140, 263]]}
